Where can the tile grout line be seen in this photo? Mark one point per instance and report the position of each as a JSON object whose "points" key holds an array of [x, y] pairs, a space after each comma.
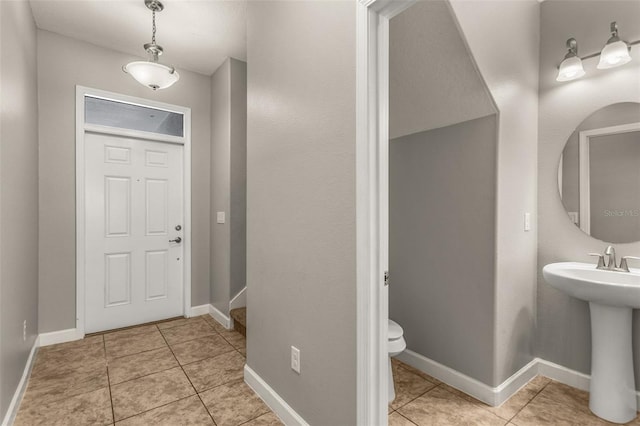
{"points": [[245, 361], [160, 347], [154, 408], [529, 402], [408, 419], [230, 344], [106, 361], [419, 396], [436, 385], [190, 382], [168, 346]]}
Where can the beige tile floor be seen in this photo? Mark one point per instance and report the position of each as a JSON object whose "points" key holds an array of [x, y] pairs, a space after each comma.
{"points": [[189, 372], [181, 372], [422, 400]]}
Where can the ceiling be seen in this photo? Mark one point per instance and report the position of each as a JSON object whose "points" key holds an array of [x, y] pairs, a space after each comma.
{"points": [[433, 81], [196, 35]]}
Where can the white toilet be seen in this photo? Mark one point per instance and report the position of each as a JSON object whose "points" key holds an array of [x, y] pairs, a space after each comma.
{"points": [[396, 344]]}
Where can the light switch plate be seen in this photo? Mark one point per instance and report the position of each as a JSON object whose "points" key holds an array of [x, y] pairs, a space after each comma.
{"points": [[527, 221], [220, 217], [295, 359], [573, 216]]}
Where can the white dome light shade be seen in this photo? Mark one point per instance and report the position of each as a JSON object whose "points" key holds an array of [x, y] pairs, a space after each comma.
{"points": [[570, 69], [613, 55], [152, 74]]}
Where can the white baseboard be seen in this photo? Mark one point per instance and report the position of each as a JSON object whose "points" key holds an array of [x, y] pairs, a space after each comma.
{"points": [[278, 405], [563, 375], [517, 381], [568, 377], [466, 384], [61, 336], [199, 310], [12, 411], [240, 300], [496, 396], [220, 317]]}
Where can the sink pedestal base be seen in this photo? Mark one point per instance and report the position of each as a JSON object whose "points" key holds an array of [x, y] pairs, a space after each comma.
{"points": [[613, 391]]}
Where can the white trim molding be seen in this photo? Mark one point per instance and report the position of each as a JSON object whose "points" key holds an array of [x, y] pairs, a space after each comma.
{"points": [[585, 165], [240, 300], [372, 206], [222, 318], [199, 310], [496, 396], [81, 128], [60, 336], [12, 410], [493, 396], [568, 377], [278, 405]]}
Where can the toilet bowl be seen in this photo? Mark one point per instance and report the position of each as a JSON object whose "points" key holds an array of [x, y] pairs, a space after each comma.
{"points": [[395, 345]]}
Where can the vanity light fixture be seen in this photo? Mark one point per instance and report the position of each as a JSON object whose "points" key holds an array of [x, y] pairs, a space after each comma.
{"points": [[151, 73], [614, 54], [571, 67]]}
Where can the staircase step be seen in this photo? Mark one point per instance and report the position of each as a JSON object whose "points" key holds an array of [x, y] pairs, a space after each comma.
{"points": [[239, 316]]}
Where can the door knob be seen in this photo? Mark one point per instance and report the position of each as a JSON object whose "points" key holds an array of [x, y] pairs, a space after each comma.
{"points": [[177, 240]]}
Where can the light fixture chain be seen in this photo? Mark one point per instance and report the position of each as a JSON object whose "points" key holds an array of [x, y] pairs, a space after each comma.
{"points": [[153, 34]]}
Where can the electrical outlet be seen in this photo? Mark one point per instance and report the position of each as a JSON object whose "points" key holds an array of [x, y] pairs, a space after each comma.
{"points": [[295, 359], [24, 330]]}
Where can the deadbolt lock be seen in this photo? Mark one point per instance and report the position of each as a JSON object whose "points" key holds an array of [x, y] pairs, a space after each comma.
{"points": [[178, 227]]}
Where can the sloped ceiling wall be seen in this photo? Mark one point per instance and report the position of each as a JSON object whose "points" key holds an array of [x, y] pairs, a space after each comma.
{"points": [[450, 90]]}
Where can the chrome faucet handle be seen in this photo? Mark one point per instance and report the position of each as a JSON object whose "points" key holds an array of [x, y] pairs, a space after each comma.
{"points": [[600, 260], [623, 262], [611, 253]]}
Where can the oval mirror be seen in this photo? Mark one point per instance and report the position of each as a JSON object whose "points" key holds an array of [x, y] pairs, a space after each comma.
{"points": [[599, 174]]}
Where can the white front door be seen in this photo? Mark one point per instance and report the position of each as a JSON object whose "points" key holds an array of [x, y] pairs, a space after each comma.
{"points": [[133, 216]]}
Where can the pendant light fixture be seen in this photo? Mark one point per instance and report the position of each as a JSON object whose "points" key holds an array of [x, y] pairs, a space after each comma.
{"points": [[571, 67], [615, 52], [151, 73]]}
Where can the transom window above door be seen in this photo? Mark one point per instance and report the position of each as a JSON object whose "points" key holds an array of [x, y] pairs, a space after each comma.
{"points": [[106, 112]]}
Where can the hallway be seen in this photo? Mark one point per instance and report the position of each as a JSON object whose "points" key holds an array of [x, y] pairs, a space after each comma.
{"points": [[183, 371]]}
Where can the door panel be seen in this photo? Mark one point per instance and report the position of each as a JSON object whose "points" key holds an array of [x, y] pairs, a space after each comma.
{"points": [[134, 201], [117, 206]]}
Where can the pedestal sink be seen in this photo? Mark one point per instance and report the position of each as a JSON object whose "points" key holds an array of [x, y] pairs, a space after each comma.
{"points": [[612, 296]]}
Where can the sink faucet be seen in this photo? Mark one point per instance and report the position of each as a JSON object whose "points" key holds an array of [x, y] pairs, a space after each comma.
{"points": [[611, 265], [611, 253]]}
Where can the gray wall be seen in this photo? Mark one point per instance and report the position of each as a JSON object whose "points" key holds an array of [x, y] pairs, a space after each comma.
{"points": [[301, 230], [563, 332], [425, 93], [228, 181], [18, 194], [442, 205], [512, 79], [64, 63]]}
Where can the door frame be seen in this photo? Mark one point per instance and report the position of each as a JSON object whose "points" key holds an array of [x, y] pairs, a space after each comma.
{"points": [[372, 205], [585, 177], [81, 128]]}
